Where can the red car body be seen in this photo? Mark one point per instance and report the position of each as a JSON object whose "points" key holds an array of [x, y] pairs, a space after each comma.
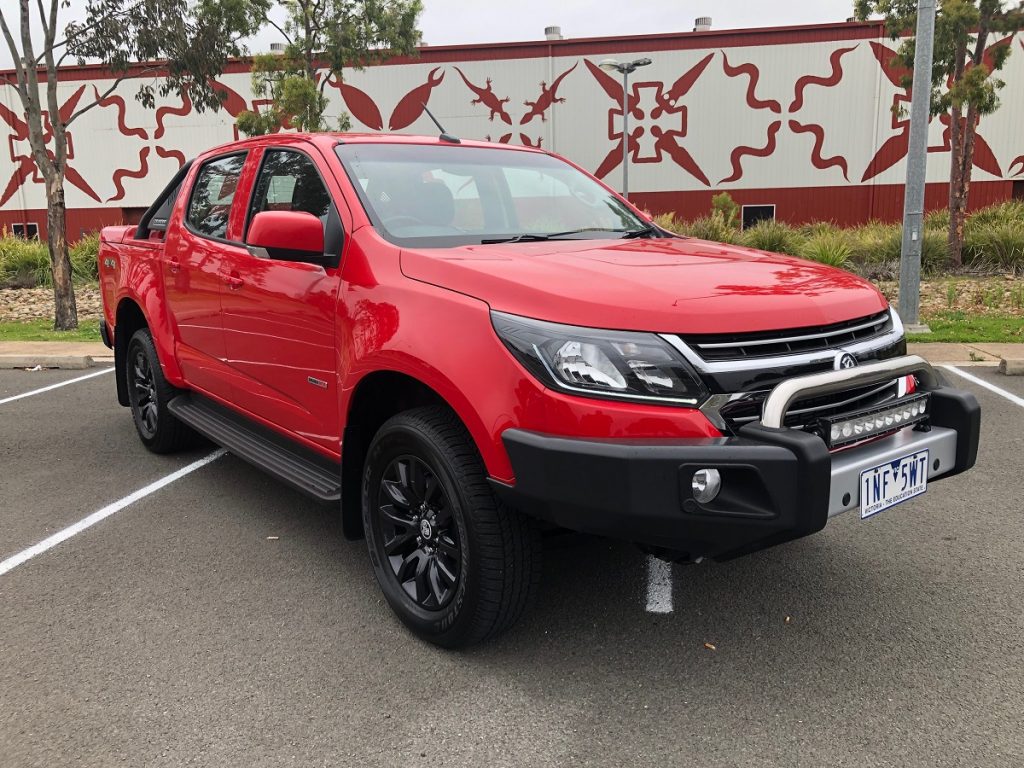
{"points": [[253, 334]]}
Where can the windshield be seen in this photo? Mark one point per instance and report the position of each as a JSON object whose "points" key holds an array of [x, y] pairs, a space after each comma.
{"points": [[440, 196]]}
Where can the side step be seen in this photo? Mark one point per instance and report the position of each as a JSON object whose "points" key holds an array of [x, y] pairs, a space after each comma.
{"points": [[274, 454]]}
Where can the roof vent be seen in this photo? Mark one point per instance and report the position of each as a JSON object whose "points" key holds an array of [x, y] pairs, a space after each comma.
{"points": [[277, 48], [702, 24], [553, 33]]}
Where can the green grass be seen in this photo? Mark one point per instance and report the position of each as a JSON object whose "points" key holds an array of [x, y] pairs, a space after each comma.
{"points": [[960, 327], [42, 330]]}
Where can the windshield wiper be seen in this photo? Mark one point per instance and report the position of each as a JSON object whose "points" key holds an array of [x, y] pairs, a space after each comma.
{"points": [[648, 231], [525, 237]]}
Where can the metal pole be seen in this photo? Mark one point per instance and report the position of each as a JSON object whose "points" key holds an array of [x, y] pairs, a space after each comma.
{"points": [[625, 134], [917, 161]]}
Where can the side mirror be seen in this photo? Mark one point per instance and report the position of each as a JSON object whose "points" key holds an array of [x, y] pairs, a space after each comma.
{"points": [[287, 236]]}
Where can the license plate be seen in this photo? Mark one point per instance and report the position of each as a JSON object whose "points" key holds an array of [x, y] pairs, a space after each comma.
{"points": [[894, 482]]}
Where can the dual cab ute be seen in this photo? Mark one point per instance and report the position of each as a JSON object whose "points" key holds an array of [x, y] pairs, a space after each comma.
{"points": [[462, 343]]}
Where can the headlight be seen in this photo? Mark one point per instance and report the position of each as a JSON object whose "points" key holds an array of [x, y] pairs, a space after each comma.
{"points": [[599, 363]]}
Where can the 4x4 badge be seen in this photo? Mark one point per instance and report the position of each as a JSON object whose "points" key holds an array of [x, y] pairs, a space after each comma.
{"points": [[844, 360]]}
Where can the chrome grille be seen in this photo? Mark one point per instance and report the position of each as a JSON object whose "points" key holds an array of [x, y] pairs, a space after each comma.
{"points": [[745, 346]]}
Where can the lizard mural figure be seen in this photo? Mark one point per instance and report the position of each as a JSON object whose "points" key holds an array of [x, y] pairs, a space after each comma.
{"points": [[548, 97], [488, 98]]}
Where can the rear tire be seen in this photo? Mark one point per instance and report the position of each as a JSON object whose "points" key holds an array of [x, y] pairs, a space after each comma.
{"points": [[455, 565], [148, 395]]}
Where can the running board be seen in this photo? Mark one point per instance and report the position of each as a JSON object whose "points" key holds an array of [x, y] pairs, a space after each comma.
{"points": [[274, 454]]}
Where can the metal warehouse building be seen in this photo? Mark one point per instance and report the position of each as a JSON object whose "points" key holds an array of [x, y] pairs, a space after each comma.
{"points": [[797, 122]]}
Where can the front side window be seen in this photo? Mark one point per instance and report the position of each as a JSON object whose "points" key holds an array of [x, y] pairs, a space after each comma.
{"points": [[440, 196], [214, 192], [289, 181]]}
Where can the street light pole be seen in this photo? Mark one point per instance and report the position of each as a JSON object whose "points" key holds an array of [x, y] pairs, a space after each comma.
{"points": [[625, 134], [917, 161], [624, 69]]}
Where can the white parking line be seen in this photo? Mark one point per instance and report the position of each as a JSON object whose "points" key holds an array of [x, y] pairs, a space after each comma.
{"points": [[54, 386], [50, 542], [991, 387], [659, 586]]}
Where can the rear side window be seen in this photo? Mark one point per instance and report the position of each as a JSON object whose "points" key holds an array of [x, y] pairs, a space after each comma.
{"points": [[289, 181], [214, 192]]}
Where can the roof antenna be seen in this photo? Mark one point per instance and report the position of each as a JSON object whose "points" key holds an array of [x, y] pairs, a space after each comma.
{"points": [[444, 135]]}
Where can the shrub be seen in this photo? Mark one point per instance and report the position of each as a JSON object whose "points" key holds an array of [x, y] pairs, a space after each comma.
{"points": [[816, 228], [875, 242], [1003, 213], [668, 221], [713, 227], [26, 263], [774, 236], [934, 250], [84, 253], [724, 204], [998, 244], [877, 271], [831, 248], [938, 220], [23, 263]]}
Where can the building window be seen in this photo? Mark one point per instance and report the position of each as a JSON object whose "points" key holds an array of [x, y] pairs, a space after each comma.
{"points": [[26, 231], [755, 213]]}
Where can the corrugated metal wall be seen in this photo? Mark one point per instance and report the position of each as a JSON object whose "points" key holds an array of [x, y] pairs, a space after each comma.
{"points": [[800, 118]]}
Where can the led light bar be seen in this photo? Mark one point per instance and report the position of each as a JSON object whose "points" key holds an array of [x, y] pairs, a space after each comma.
{"points": [[853, 427]]}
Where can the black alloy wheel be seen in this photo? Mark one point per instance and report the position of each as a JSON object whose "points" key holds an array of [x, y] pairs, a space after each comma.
{"points": [[421, 538], [144, 393], [148, 395], [456, 565]]}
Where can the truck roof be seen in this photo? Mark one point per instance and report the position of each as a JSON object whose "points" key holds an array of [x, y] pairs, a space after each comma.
{"points": [[328, 140]]}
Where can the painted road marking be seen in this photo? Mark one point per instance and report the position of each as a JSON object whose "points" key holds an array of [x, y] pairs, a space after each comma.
{"points": [[54, 386], [87, 522], [659, 586], [991, 387]]}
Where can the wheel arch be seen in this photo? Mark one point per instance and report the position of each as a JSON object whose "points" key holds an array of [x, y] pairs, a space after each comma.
{"points": [[129, 317], [376, 397]]}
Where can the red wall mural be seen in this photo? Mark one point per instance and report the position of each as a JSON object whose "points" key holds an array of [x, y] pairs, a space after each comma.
{"points": [[809, 119]]}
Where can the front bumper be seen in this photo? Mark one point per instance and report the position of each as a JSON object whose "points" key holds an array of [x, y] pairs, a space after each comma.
{"points": [[777, 484]]}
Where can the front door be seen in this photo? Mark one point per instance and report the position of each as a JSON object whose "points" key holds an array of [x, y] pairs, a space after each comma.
{"points": [[193, 272], [279, 315]]}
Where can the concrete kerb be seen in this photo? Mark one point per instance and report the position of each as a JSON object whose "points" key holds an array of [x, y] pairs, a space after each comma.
{"points": [[1012, 366], [53, 354], [64, 362]]}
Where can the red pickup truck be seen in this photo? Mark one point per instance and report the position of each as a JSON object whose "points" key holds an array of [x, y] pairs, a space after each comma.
{"points": [[463, 344]]}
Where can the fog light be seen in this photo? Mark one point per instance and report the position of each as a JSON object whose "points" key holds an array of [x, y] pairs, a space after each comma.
{"points": [[706, 485]]}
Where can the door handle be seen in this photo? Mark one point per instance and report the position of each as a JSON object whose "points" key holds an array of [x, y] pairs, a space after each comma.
{"points": [[235, 282], [174, 265]]}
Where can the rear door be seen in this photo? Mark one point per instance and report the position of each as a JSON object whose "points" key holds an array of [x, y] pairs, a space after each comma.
{"points": [[210, 230], [279, 315]]}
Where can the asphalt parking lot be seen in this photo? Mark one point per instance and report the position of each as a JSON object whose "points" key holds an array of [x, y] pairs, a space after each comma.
{"points": [[223, 620]]}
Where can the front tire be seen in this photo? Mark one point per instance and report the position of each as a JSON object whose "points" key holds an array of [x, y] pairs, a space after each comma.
{"points": [[455, 565], [148, 395]]}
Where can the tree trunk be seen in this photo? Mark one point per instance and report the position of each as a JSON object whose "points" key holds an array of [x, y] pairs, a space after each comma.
{"points": [[970, 129], [65, 316], [955, 240], [957, 188]]}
